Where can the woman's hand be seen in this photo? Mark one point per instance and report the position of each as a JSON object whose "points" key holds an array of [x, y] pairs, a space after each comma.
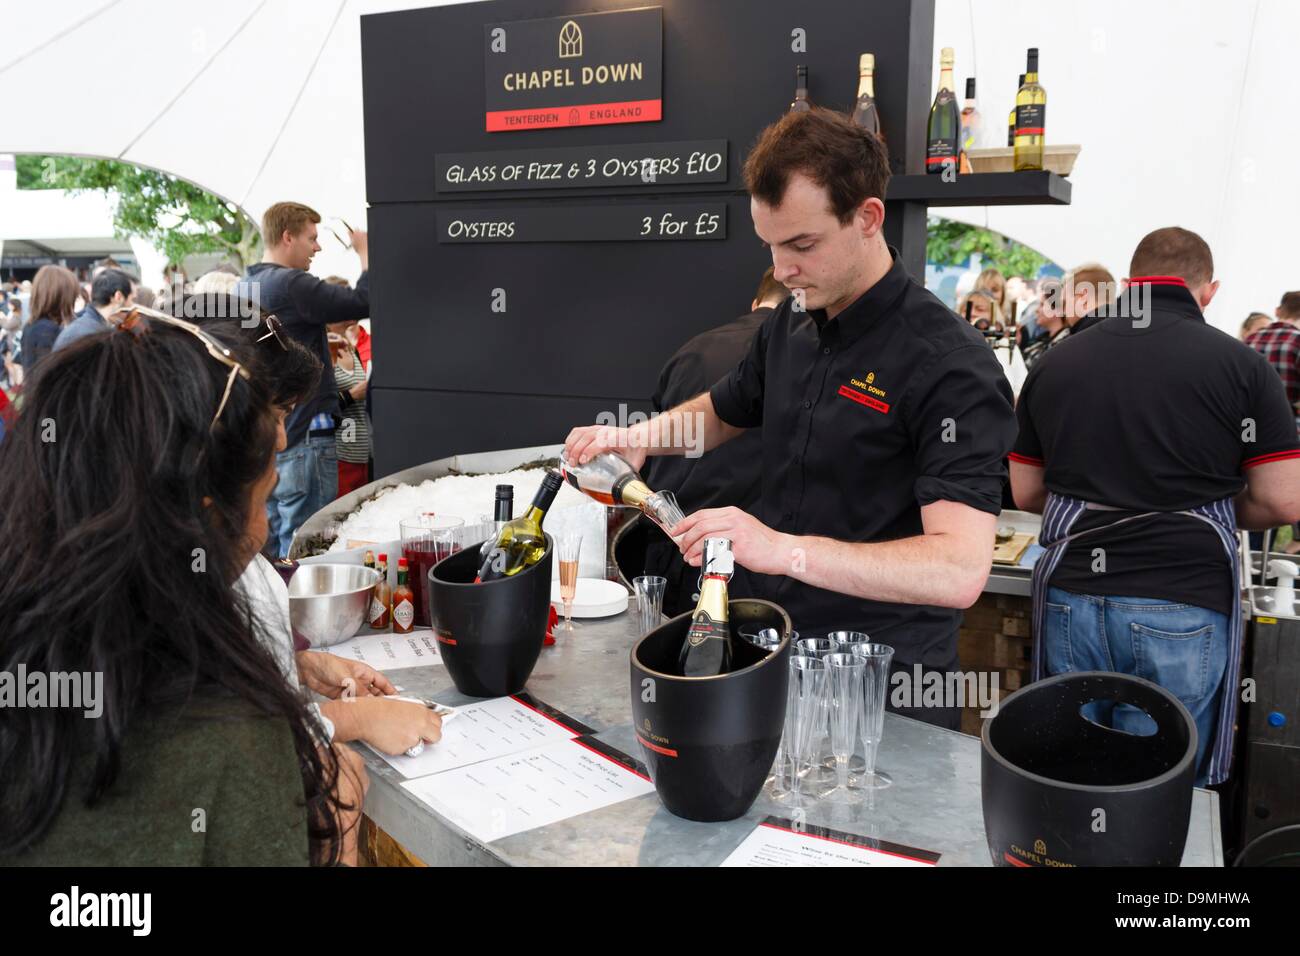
{"points": [[332, 676], [391, 726]]}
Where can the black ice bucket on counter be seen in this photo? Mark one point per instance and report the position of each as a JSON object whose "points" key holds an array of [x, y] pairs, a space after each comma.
{"points": [[490, 634], [1061, 790], [709, 742]]}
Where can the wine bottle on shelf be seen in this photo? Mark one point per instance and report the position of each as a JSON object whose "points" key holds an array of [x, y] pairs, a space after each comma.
{"points": [[403, 601], [865, 113], [706, 652], [381, 598], [801, 103], [611, 480], [502, 511], [1011, 117], [971, 136], [1031, 117], [943, 134], [522, 542]]}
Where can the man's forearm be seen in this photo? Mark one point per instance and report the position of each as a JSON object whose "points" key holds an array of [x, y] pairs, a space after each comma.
{"points": [[938, 568], [691, 429]]}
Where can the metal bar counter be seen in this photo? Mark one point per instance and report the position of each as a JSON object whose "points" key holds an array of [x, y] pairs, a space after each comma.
{"points": [[934, 803]]}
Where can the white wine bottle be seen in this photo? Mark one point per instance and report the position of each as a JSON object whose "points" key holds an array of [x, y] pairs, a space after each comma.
{"points": [[943, 134], [1031, 117], [706, 652], [522, 542], [865, 113]]}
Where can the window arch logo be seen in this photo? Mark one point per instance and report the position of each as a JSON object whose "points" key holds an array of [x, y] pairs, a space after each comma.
{"points": [[570, 40]]}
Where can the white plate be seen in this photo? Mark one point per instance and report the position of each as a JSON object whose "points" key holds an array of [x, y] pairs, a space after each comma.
{"points": [[593, 597]]}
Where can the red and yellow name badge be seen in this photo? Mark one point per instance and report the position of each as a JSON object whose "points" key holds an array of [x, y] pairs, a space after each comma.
{"points": [[865, 392]]}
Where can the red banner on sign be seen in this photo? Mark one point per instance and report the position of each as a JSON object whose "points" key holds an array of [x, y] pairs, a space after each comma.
{"points": [[590, 114]]}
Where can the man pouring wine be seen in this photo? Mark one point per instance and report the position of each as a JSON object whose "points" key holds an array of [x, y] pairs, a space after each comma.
{"points": [[885, 421]]}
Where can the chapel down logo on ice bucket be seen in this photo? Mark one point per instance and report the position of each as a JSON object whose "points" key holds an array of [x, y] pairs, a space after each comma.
{"points": [[588, 70]]}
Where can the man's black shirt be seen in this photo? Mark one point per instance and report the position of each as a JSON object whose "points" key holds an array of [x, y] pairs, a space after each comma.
{"points": [[1161, 418], [892, 405]]}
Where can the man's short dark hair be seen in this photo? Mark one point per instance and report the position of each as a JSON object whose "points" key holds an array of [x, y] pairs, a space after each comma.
{"points": [[851, 164], [1173, 251], [292, 371], [107, 284], [769, 289], [1289, 307]]}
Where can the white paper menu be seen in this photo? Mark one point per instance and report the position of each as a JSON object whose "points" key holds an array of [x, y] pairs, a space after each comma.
{"points": [[389, 652], [779, 842], [482, 731], [523, 791]]}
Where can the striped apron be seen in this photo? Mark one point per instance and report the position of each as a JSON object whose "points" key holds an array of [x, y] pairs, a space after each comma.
{"points": [[1059, 516]]}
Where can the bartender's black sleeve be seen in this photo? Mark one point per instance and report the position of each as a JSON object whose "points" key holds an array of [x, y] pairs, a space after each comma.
{"points": [[322, 303], [1275, 423], [1028, 448], [962, 425], [738, 398]]}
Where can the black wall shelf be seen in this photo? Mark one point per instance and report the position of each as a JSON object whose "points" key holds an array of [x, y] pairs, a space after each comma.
{"points": [[1028, 188]]}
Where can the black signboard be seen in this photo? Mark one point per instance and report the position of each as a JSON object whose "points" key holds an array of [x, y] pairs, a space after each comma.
{"points": [[592, 69], [649, 222], [569, 167]]}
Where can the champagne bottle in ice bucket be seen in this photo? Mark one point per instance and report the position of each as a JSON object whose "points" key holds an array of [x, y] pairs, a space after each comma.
{"points": [[611, 480], [706, 652]]}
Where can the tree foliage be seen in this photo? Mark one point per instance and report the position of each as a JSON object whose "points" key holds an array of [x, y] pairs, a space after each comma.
{"points": [[177, 217], [950, 243]]}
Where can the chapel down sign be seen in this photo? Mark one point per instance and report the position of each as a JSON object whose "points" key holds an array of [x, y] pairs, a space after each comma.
{"points": [[593, 69]]}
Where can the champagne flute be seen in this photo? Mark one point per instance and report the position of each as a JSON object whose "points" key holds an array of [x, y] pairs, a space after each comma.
{"points": [[569, 547]]}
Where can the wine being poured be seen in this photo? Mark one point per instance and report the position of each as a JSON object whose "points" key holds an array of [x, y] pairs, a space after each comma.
{"points": [[610, 479]]}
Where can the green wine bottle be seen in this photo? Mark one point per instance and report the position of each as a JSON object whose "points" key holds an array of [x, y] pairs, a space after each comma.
{"points": [[943, 133], [522, 542]]}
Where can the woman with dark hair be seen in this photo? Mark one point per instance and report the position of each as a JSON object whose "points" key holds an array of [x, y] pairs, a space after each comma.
{"points": [[135, 485], [54, 304]]}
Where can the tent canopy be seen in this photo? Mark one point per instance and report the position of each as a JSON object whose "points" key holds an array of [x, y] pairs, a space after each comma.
{"points": [[1176, 104]]}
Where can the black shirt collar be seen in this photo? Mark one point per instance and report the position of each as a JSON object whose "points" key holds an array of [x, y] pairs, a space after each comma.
{"points": [[1166, 293], [866, 308]]}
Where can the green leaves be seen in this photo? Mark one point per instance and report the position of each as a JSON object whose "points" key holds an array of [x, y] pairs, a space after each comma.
{"points": [[951, 243], [176, 216]]}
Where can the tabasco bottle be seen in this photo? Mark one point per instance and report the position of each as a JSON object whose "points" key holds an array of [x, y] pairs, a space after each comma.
{"points": [[403, 602], [381, 599]]}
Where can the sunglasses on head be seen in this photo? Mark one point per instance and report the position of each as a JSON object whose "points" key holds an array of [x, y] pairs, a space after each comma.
{"points": [[136, 318], [275, 330]]}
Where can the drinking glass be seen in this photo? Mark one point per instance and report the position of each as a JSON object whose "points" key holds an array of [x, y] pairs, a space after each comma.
{"points": [[426, 540], [844, 640], [844, 680], [875, 684], [662, 508], [569, 547], [804, 713], [817, 647], [649, 600]]}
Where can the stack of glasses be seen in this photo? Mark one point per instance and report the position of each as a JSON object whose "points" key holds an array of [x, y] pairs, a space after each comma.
{"points": [[835, 702]]}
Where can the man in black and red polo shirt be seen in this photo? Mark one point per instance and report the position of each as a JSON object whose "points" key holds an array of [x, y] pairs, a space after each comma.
{"points": [[1145, 443]]}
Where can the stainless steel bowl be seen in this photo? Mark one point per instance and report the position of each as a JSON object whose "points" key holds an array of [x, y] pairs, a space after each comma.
{"points": [[328, 602]]}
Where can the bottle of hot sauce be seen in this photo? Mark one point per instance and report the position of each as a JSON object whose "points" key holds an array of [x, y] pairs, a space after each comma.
{"points": [[381, 599], [403, 602]]}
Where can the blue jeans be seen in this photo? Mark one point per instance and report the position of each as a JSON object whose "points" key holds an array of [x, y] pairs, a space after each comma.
{"points": [[1181, 647], [309, 480]]}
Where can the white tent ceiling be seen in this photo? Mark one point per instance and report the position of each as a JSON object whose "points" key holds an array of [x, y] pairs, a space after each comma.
{"points": [[1183, 108]]}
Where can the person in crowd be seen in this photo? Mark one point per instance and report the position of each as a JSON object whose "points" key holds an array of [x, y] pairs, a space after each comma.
{"points": [[1086, 294], [1024, 293], [53, 305], [152, 501], [352, 436], [11, 326], [218, 281], [993, 282], [730, 475], [1131, 446], [143, 295], [305, 305], [982, 310], [885, 423], [111, 290], [1253, 323], [357, 708], [1279, 343]]}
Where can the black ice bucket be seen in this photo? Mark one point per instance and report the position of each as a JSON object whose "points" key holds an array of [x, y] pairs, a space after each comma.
{"points": [[489, 634], [709, 742], [1061, 790]]}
